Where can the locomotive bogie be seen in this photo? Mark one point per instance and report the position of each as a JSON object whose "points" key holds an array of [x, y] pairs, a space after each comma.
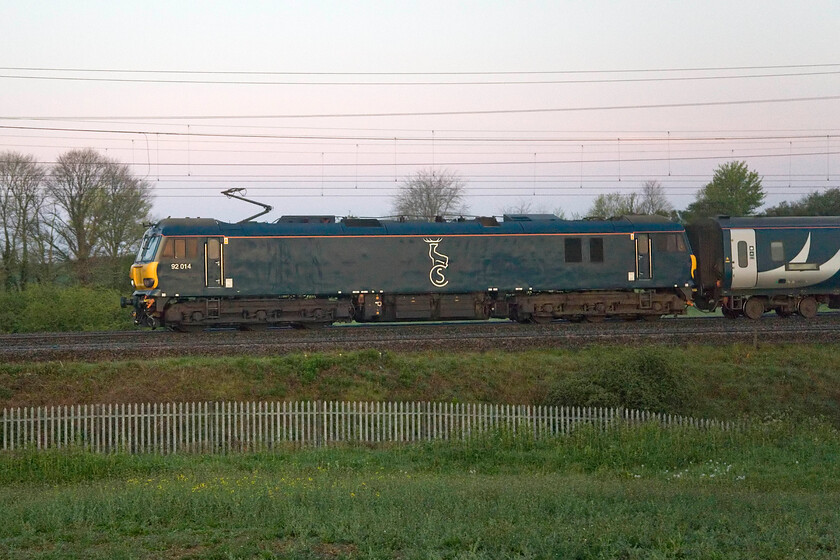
{"points": [[601, 304], [236, 312]]}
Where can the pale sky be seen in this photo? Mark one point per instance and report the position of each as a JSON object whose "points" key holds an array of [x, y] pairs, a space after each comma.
{"points": [[325, 107]]}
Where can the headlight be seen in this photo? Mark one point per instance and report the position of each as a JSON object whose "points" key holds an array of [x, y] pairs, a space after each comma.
{"points": [[148, 282]]}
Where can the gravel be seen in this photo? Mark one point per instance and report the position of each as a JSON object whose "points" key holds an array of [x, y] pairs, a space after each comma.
{"points": [[449, 337]]}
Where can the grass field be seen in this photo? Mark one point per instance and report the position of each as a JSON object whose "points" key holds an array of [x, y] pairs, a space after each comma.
{"points": [[772, 491]]}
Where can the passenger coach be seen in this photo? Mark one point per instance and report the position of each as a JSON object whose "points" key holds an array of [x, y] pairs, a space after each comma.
{"points": [[315, 270], [748, 266]]}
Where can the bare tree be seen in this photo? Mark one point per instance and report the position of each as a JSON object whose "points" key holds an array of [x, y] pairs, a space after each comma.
{"points": [[614, 204], [76, 186], [126, 206], [522, 207], [97, 205], [21, 179], [429, 194], [654, 200], [8, 250], [525, 207]]}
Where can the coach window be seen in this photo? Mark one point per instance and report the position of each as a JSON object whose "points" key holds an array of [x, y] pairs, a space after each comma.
{"points": [[596, 250], [742, 254], [574, 250], [777, 251]]}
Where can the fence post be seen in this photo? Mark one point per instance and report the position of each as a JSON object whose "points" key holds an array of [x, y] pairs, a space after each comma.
{"points": [[256, 426]]}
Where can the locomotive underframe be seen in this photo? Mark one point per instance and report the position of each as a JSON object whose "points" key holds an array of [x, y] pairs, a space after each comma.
{"points": [[650, 304], [186, 314]]}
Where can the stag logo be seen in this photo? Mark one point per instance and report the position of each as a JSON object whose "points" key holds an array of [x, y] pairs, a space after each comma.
{"points": [[440, 263]]}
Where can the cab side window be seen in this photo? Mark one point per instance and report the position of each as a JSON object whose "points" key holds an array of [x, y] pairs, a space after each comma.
{"points": [[180, 248], [669, 243]]}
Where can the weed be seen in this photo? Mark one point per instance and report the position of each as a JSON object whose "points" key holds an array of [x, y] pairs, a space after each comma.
{"points": [[642, 379]]}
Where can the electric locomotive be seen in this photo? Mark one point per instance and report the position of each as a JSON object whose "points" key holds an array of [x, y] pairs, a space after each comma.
{"points": [[309, 271]]}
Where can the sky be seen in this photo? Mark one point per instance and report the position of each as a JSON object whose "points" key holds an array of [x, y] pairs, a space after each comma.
{"points": [[327, 107]]}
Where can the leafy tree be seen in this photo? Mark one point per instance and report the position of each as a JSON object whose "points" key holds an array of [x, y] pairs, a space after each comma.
{"points": [[815, 204], [429, 194], [733, 191], [21, 201]]}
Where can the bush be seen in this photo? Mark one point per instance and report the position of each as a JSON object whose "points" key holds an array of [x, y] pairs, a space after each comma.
{"points": [[646, 379], [53, 308]]}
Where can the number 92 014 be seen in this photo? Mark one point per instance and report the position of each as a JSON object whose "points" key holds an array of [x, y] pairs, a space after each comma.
{"points": [[181, 266]]}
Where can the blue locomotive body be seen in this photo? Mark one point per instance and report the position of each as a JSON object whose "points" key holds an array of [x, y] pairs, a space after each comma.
{"points": [[316, 270]]}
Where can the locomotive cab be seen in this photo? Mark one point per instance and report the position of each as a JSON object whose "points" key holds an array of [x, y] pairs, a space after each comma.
{"points": [[172, 263], [144, 270], [144, 279]]}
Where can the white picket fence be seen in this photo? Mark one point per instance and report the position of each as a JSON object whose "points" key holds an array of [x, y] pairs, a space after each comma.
{"points": [[223, 427]]}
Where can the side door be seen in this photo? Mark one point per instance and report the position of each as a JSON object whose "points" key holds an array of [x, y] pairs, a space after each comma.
{"points": [[214, 263], [744, 264], [644, 260]]}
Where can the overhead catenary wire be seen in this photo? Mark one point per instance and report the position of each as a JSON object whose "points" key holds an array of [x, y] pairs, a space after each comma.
{"points": [[476, 112], [424, 73], [617, 160], [380, 83], [391, 138]]}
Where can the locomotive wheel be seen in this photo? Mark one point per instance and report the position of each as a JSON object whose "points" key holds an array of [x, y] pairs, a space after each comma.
{"points": [[808, 307], [754, 308]]}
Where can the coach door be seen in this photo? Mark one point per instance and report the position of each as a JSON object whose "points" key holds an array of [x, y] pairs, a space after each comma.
{"points": [[744, 264], [213, 262], [644, 263]]}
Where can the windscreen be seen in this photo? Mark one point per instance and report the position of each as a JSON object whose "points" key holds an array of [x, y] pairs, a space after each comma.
{"points": [[148, 248]]}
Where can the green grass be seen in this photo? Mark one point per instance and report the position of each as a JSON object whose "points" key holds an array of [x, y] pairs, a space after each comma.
{"points": [[772, 491], [714, 382]]}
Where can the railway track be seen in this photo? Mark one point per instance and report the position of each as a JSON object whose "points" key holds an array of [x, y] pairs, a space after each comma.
{"points": [[100, 346]]}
